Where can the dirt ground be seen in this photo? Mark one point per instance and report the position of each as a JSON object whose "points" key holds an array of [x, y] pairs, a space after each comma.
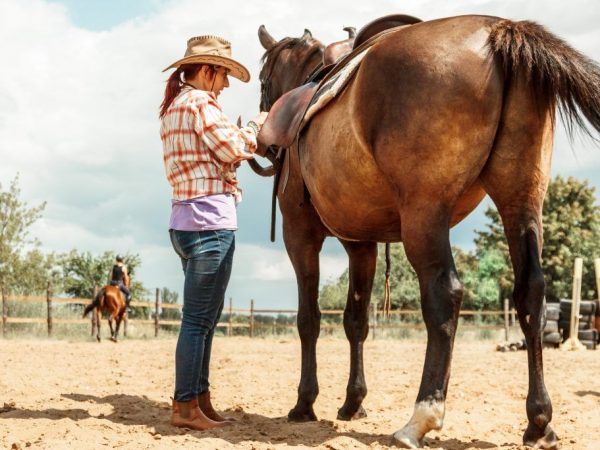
{"points": [[84, 395]]}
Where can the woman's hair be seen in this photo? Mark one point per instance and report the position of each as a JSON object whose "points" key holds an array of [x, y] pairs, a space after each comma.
{"points": [[175, 83]]}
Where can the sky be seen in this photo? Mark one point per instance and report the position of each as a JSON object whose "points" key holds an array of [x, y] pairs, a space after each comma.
{"points": [[79, 93]]}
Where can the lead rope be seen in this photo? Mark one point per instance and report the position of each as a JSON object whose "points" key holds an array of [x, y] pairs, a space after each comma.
{"points": [[387, 302]]}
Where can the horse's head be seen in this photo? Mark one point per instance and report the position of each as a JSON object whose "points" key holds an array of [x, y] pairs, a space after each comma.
{"points": [[286, 64]]}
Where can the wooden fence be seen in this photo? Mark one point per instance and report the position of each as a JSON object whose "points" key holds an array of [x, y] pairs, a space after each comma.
{"points": [[377, 321]]}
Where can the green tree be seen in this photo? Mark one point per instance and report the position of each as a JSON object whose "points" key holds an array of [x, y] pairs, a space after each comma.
{"points": [[33, 271], [82, 272], [16, 218], [403, 283], [482, 286], [571, 221], [334, 292]]}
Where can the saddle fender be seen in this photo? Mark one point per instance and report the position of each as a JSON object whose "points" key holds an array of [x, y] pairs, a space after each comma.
{"points": [[285, 117]]}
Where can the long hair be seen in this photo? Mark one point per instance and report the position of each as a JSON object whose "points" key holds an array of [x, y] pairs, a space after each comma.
{"points": [[175, 83]]}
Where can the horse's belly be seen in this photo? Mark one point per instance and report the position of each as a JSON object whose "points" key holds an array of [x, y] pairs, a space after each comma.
{"points": [[351, 195]]}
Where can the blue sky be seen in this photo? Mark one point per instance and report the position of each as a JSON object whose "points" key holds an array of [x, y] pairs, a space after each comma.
{"points": [[78, 118], [102, 15]]}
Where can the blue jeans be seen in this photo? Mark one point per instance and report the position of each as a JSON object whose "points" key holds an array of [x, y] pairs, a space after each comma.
{"points": [[206, 257]]}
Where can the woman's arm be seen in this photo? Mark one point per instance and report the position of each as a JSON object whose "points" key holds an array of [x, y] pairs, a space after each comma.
{"points": [[226, 140]]}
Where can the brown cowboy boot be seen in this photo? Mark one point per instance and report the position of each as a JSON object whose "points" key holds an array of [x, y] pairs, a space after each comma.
{"points": [[208, 410], [189, 415]]}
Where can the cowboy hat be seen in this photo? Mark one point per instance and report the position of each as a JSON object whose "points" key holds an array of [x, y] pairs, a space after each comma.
{"points": [[212, 50]]}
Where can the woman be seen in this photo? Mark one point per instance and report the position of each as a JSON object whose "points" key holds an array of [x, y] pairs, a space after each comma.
{"points": [[202, 149]]}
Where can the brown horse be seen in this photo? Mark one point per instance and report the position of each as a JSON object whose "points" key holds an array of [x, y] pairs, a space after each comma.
{"points": [[109, 300], [438, 115]]}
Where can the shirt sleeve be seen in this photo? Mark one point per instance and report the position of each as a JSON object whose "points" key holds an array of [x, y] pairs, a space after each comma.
{"points": [[226, 140]]}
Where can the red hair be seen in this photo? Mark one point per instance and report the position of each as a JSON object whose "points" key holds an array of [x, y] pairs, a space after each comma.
{"points": [[175, 83]]}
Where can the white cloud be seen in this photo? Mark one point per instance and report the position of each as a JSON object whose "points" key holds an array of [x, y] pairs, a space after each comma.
{"points": [[254, 262]]}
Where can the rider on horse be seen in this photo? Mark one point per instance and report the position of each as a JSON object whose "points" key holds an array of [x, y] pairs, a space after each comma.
{"points": [[119, 277]]}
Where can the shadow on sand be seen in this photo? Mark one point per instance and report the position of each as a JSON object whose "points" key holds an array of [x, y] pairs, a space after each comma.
{"points": [[140, 410]]}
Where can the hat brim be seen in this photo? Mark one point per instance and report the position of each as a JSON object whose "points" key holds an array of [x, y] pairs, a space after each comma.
{"points": [[236, 69]]}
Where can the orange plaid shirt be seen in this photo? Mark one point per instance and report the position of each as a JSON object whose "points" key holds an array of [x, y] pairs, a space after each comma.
{"points": [[201, 146]]}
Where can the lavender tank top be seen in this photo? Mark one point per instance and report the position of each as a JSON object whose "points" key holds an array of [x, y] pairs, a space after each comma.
{"points": [[211, 212]]}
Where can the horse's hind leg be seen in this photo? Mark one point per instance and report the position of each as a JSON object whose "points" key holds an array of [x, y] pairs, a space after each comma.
{"points": [[516, 178], [119, 319], [363, 261], [98, 316], [112, 331], [427, 245]]}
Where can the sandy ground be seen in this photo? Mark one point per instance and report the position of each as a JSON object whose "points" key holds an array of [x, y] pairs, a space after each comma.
{"points": [[63, 395]]}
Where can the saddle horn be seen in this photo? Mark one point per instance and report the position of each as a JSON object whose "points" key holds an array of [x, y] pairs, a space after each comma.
{"points": [[351, 32]]}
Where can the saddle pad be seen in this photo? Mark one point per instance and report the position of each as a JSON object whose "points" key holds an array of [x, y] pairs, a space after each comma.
{"points": [[332, 87]]}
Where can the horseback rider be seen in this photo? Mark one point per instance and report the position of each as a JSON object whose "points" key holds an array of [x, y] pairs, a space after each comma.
{"points": [[119, 277]]}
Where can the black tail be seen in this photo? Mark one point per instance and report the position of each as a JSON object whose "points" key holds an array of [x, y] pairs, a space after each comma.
{"points": [[95, 303], [561, 72]]}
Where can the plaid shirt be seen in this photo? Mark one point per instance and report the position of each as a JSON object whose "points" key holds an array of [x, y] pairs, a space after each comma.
{"points": [[201, 146]]}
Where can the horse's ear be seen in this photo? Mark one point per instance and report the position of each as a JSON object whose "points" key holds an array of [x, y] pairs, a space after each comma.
{"points": [[266, 40], [307, 34]]}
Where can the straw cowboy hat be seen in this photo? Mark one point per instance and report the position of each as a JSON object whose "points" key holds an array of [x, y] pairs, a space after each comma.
{"points": [[212, 50]]}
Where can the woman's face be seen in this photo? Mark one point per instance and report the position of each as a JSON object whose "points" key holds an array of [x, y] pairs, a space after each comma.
{"points": [[219, 80]]}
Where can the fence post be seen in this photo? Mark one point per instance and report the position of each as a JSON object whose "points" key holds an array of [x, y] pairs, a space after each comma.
{"points": [[156, 305], [94, 312], [572, 343], [506, 320], [251, 318], [513, 317], [230, 324], [49, 301], [4, 312], [597, 269]]}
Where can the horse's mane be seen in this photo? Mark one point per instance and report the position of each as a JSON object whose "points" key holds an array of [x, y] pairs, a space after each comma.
{"points": [[271, 56]]}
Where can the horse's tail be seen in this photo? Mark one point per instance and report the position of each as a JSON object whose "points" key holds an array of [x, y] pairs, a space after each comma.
{"points": [[95, 303], [564, 75]]}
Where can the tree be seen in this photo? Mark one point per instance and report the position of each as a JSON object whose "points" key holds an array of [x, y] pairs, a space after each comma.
{"points": [[82, 272], [34, 270], [334, 292], [16, 217], [481, 284], [404, 285], [571, 221], [403, 282]]}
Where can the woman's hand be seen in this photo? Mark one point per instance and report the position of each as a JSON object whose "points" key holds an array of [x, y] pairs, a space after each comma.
{"points": [[258, 121], [260, 118]]}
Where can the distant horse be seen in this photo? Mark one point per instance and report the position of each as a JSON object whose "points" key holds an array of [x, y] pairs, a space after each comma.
{"points": [[109, 300], [438, 115]]}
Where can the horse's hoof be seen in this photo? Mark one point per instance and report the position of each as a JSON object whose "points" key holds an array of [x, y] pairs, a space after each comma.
{"points": [[346, 413], [98, 339], [403, 441], [302, 415], [537, 439], [114, 339]]}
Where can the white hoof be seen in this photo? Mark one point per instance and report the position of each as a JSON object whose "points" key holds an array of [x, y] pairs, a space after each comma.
{"points": [[428, 415], [404, 441]]}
